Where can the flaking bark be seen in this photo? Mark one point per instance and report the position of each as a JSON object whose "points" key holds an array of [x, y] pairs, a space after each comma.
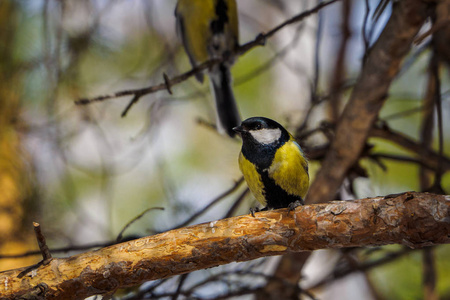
{"points": [[413, 219]]}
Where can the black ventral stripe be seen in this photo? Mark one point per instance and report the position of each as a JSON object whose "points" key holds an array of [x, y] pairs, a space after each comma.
{"points": [[275, 196], [218, 24]]}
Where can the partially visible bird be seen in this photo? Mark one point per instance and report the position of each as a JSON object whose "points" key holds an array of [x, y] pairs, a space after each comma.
{"points": [[209, 30], [274, 165]]}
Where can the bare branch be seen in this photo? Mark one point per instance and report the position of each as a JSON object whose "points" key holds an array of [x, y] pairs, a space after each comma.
{"points": [[412, 219], [170, 82], [137, 93], [261, 38], [120, 235], [429, 275], [426, 155], [212, 203], [362, 267], [46, 255]]}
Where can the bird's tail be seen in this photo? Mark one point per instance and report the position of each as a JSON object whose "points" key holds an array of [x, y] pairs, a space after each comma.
{"points": [[227, 113]]}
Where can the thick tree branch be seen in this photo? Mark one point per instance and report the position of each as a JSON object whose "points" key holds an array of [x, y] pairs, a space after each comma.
{"points": [[413, 219], [368, 96]]}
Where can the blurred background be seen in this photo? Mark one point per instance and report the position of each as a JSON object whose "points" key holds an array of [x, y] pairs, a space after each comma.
{"points": [[83, 171]]}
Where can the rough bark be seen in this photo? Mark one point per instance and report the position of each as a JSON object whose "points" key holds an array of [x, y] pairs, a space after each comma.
{"points": [[413, 219], [368, 96]]}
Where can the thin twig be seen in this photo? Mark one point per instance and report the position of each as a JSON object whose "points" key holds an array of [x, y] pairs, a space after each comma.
{"points": [[236, 203], [438, 104], [364, 29], [338, 75], [169, 82], [316, 76], [180, 286], [261, 38], [362, 267], [130, 104], [429, 274], [213, 202], [46, 255], [119, 237], [403, 158], [61, 250], [436, 26], [148, 90], [402, 140]]}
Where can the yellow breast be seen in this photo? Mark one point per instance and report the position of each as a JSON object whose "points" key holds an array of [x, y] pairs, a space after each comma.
{"points": [[252, 178], [289, 169]]}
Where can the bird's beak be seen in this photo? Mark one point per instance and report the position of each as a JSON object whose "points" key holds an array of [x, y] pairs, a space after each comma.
{"points": [[239, 129]]}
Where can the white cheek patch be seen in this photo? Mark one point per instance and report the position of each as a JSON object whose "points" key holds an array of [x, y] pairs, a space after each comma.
{"points": [[266, 136]]}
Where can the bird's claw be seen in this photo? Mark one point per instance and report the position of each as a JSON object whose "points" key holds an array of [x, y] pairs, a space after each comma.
{"points": [[293, 205], [253, 210]]}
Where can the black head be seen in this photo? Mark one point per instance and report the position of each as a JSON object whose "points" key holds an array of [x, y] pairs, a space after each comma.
{"points": [[262, 130]]}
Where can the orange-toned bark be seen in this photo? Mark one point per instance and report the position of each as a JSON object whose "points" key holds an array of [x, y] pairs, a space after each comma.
{"points": [[413, 219]]}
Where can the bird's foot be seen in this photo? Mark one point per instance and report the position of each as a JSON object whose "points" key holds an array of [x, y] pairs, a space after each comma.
{"points": [[293, 205], [257, 209], [253, 210]]}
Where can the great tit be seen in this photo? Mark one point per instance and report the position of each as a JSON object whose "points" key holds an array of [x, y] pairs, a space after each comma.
{"points": [[209, 30], [274, 165]]}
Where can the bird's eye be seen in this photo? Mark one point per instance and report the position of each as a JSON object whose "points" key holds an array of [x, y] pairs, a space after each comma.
{"points": [[258, 126]]}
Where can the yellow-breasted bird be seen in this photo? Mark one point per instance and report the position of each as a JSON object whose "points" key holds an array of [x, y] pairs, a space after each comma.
{"points": [[209, 30], [273, 164]]}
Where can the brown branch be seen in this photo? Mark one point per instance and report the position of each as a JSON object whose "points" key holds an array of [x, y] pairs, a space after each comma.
{"points": [[434, 69], [132, 237], [290, 266], [368, 96], [436, 27], [429, 275], [361, 267], [120, 235], [232, 210], [432, 100], [338, 75], [43, 248], [262, 37], [412, 219], [132, 102], [137, 93], [170, 82], [288, 269], [46, 255], [441, 38], [429, 157], [401, 158], [212, 203]]}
